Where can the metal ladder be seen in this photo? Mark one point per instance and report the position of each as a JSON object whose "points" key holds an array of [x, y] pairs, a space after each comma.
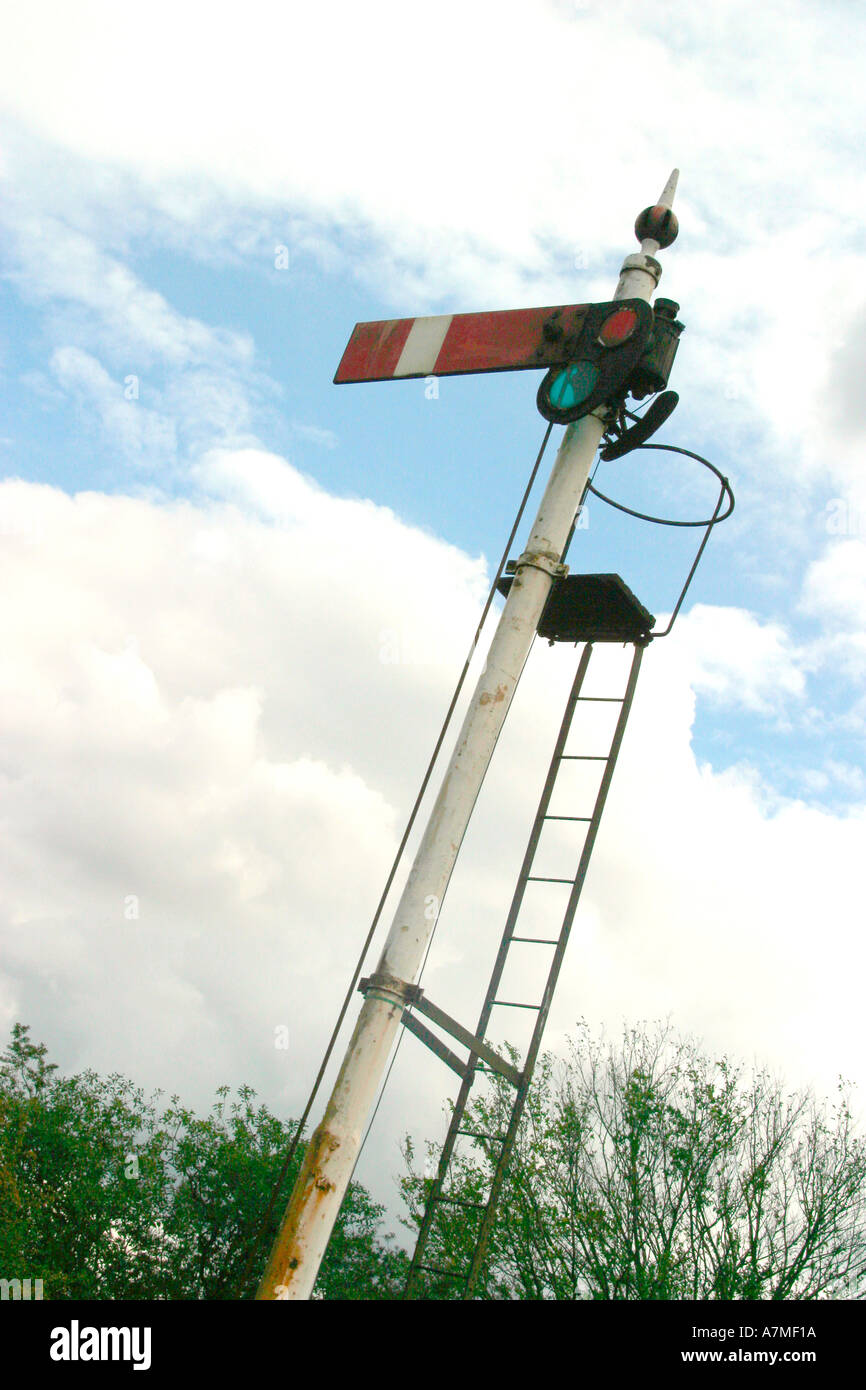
{"points": [[463, 1280]]}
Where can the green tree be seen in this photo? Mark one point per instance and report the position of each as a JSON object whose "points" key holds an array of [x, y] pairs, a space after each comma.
{"points": [[105, 1194], [647, 1171]]}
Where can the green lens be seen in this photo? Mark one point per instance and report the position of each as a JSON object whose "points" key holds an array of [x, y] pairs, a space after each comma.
{"points": [[573, 385]]}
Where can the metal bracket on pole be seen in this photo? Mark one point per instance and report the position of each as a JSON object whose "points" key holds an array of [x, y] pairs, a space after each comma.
{"points": [[476, 1045], [389, 989], [538, 560], [413, 996], [640, 261], [436, 1045]]}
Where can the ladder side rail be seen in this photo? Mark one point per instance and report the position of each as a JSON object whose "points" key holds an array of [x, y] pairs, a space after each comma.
{"points": [[486, 1226]]}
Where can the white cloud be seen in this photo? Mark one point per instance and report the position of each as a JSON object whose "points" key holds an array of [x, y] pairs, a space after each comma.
{"points": [[55, 262], [834, 596], [734, 658], [143, 435], [835, 585], [325, 439], [182, 383]]}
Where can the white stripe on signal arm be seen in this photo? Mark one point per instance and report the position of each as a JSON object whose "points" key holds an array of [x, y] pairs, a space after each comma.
{"points": [[423, 345]]}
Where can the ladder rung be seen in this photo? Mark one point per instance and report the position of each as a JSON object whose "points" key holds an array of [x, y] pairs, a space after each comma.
{"points": [[535, 878], [583, 818], [538, 940], [602, 699], [510, 1004], [584, 757]]}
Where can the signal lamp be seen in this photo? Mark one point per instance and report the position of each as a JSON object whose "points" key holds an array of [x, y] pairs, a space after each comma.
{"points": [[618, 328], [612, 338], [571, 385]]}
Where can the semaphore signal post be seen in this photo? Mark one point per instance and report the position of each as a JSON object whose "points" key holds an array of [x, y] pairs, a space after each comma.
{"points": [[594, 355]]}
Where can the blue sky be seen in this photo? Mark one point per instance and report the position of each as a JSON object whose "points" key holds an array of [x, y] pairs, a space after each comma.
{"points": [[207, 546]]}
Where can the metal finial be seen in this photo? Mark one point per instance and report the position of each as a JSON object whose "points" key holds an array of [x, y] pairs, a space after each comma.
{"points": [[667, 197], [657, 226]]}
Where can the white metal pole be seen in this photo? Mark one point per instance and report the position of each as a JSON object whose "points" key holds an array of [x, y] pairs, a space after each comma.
{"points": [[333, 1149]]}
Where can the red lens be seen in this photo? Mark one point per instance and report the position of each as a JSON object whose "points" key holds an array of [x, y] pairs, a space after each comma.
{"points": [[617, 328]]}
